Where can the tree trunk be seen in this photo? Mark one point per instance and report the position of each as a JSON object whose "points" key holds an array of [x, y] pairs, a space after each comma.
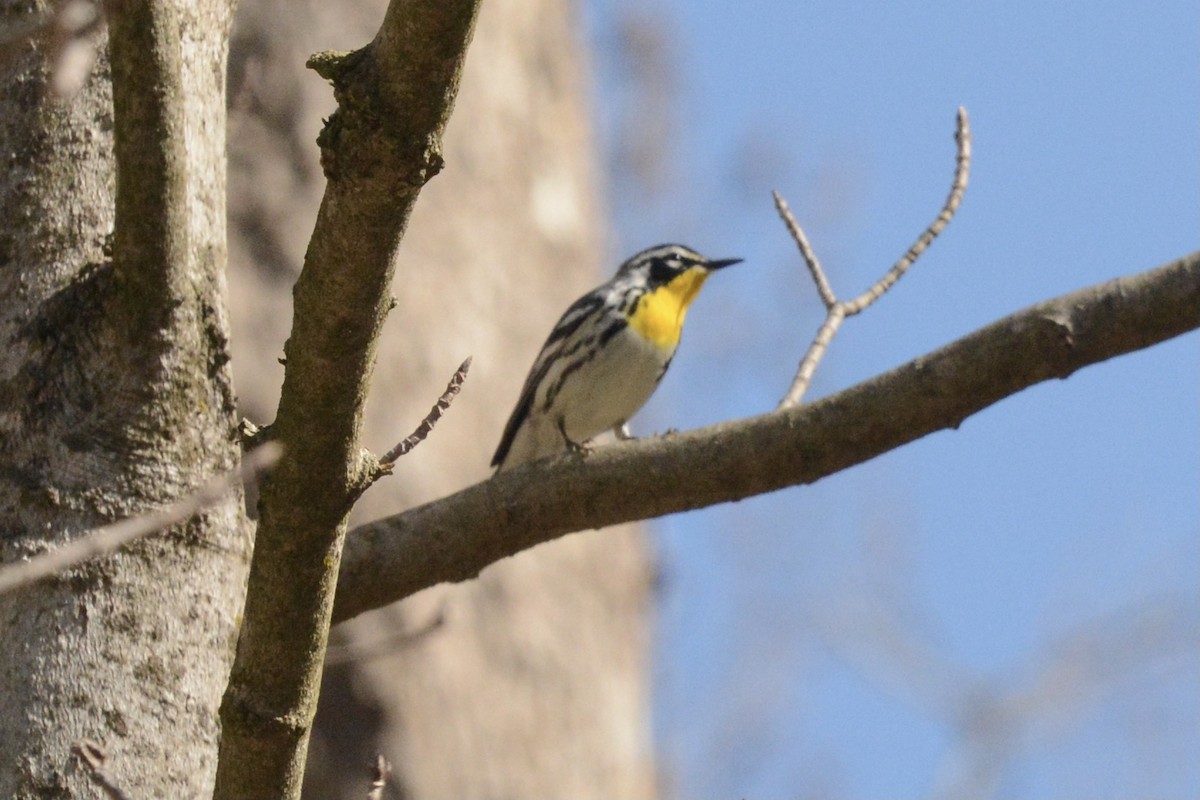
{"points": [[115, 398], [535, 683]]}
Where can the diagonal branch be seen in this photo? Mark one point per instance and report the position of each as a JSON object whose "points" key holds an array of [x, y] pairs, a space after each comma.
{"points": [[407, 444], [452, 539], [824, 290], [348, 653], [380, 146], [103, 541]]}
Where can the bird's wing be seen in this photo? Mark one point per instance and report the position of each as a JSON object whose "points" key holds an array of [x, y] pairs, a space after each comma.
{"points": [[568, 324]]}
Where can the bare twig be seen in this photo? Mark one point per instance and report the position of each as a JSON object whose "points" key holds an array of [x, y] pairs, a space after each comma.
{"points": [[380, 773], [997, 725], [94, 756], [112, 537], [431, 419], [837, 311], [806, 252]]}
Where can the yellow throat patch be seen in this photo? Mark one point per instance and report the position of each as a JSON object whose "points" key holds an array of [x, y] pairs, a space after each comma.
{"points": [[659, 314]]}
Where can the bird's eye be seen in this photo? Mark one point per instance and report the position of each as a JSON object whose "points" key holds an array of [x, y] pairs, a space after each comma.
{"points": [[663, 270]]}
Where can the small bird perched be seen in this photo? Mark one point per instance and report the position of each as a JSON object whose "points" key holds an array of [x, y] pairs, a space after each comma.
{"points": [[606, 355]]}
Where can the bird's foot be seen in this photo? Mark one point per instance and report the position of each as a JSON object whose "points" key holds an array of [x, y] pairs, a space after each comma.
{"points": [[578, 448]]}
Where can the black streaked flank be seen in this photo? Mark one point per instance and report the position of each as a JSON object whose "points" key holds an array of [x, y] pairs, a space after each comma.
{"points": [[614, 327], [553, 391], [574, 317]]}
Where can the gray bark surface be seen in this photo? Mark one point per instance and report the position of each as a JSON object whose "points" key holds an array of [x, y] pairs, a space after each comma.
{"points": [[115, 398]]}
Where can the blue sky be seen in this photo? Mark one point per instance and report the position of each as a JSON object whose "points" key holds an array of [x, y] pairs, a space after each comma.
{"points": [[820, 642]]}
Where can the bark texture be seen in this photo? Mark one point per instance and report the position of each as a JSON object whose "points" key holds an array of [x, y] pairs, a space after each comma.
{"points": [[378, 149], [115, 397], [535, 684]]}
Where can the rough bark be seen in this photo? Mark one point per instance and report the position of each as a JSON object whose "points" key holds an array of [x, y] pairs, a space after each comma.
{"points": [[115, 397], [378, 149], [535, 685]]}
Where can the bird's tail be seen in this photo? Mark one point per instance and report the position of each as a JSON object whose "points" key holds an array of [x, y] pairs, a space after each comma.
{"points": [[536, 438]]}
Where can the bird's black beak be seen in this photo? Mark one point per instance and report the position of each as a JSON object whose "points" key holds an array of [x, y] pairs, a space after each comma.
{"points": [[722, 262]]}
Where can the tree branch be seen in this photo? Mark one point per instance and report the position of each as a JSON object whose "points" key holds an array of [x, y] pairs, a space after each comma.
{"points": [[103, 541], [407, 444], [378, 149], [150, 242], [452, 539]]}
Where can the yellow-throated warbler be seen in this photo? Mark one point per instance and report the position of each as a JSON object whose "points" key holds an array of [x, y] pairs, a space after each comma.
{"points": [[606, 355]]}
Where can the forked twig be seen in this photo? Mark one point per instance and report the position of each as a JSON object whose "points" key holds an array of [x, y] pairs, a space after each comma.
{"points": [[416, 437], [105, 540], [94, 756], [836, 310]]}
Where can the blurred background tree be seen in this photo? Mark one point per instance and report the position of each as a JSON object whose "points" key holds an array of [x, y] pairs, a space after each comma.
{"points": [[531, 681]]}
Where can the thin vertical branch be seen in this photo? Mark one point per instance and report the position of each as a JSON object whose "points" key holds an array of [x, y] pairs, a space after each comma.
{"points": [[150, 241], [816, 351], [378, 149]]}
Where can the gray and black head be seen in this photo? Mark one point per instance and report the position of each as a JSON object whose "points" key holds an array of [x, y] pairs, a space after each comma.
{"points": [[665, 262]]}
